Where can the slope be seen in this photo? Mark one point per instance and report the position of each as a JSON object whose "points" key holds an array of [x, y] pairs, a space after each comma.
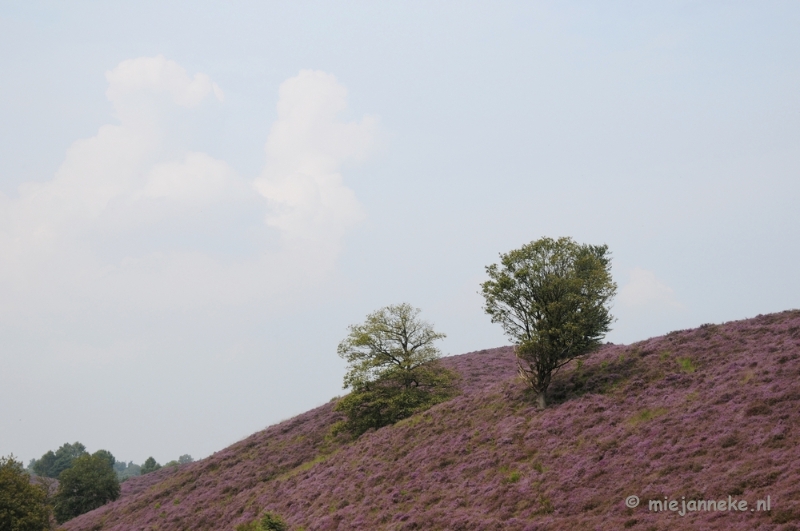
{"points": [[696, 414]]}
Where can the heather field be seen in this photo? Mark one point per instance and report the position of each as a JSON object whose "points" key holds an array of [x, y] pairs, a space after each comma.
{"points": [[702, 414]]}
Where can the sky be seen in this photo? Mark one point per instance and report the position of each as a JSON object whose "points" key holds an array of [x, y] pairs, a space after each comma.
{"points": [[197, 198]]}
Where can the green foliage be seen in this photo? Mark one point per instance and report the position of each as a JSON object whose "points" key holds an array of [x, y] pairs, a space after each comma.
{"points": [[686, 364], [23, 505], [52, 463], [392, 339], [269, 522], [184, 459], [386, 401], [88, 484], [108, 456], [125, 471], [393, 369], [551, 298], [646, 414], [150, 465], [272, 522]]}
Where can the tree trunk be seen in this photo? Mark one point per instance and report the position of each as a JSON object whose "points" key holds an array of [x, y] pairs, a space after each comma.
{"points": [[541, 400]]}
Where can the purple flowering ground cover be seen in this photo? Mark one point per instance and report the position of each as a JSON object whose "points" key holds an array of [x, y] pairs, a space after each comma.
{"points": [[701, 414]]}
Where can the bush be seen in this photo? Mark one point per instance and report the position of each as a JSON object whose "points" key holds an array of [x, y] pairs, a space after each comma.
{"points": [[269, 522], [385, 402]]}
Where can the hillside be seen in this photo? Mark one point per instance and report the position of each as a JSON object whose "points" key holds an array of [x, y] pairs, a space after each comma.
{"points": [[703, 414]]}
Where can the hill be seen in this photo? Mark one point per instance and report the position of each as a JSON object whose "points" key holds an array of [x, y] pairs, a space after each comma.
{"points": [[699, 414]]}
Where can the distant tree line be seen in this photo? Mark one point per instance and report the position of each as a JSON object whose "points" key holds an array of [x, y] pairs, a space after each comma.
{"points": [[85, 482], [52, 464]]}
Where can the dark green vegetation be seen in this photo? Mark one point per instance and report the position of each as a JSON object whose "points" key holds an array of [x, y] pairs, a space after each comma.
{"points": [[52, 463], [393, 369], [23, 505], [127, 470], [269, 522], [182, 460], [89, 483], [150, 465], [83, 482], [551, 297]]}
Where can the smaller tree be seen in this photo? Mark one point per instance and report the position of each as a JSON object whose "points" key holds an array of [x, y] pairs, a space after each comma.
{"points": [[393, 368], [23, 505], [150, 465], [88, 484], [552, 298]]}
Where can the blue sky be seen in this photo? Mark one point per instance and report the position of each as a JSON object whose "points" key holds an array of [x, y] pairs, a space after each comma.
{"points": [[197, 198]]}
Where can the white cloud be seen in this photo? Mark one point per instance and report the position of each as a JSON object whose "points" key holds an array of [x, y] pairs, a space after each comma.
{"points": [[644, 289], [125, 221], [155, 75], [306, 149]]}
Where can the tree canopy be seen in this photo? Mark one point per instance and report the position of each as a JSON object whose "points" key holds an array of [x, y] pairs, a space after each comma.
{"points": [[88, 484], [552, 299], [149, 465], [52, 463], [23, 505], [108, 456], [393, 368]]}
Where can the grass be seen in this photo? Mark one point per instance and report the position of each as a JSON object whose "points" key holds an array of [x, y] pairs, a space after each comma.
{"points": [[646, 415], [686, 364]]}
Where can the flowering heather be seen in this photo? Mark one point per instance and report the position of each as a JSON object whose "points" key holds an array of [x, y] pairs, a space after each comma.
{"points": [[701, 414]]}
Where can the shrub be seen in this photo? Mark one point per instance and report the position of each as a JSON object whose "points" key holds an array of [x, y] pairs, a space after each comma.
{"points": [[269, 522]]}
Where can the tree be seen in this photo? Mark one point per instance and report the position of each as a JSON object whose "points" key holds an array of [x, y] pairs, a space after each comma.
{"points": [[125, 471], [150, 465], [23, 505], [108, 456], [52, 463], [88, 484], [551, 298], [393, 368]]}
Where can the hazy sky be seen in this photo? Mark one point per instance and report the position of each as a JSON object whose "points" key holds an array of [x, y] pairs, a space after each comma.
{"points": [[197, 198]]}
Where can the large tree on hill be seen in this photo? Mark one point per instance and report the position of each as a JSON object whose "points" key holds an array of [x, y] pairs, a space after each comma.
{"points": [[552, 299], [393, 368], [23, 505], [88, 484]]}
